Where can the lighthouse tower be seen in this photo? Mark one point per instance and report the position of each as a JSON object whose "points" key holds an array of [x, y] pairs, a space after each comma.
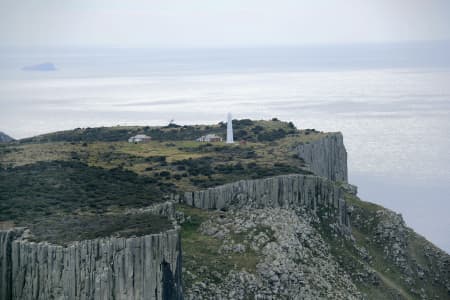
{"points": [[230, 130]]}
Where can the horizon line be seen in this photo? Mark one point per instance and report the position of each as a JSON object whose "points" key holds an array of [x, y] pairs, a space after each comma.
{"points": [[236, 46]]}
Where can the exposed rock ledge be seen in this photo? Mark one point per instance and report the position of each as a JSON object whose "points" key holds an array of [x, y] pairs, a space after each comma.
{"points": [[146, 267], [314, 193], [326, 156], [166, 209]]}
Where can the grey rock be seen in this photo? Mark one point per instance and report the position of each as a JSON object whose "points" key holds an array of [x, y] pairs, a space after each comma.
{"points": [[286, 191], [326, 156], [350, 188], [6, 239], [239, 248], [285, 269], [147, 267], [392, 232], [220, 235], [210, 231], [166, 209]]}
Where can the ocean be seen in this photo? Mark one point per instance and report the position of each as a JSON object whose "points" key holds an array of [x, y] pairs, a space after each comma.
{"points": [[391, 102]]}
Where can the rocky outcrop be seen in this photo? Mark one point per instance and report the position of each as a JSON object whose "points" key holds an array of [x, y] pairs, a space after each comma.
{"points": [[291, 258], [146, 267], [392, 234], [349, 188], [287, 191], [395, 238], [326, 156], [166, 209]]}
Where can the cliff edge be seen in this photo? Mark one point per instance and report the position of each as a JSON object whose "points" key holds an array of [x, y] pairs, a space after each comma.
{"points": [[326, 156], [137, 255], [315, 194]]}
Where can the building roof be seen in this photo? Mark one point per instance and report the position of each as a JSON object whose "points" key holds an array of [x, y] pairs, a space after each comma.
{"points": [[209, 137], [141, 136]]}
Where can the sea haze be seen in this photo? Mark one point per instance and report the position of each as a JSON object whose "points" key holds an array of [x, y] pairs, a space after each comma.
{"points": [[392, 103]]}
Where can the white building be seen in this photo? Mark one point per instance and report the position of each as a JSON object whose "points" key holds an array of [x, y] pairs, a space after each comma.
{"points": [[209, 138], [140, 138]]}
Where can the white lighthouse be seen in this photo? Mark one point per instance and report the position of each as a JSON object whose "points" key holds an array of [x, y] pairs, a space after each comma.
{"points": [[230, 129]]}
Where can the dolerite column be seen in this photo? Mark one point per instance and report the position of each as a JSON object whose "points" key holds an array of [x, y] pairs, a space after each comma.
{"points": [[6, 239]]}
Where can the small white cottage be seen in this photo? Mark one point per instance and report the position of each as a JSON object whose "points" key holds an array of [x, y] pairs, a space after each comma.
{"points": [[209, 138], [139, 138]]}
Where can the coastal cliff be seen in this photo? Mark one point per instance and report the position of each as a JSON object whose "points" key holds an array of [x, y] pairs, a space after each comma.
{"points": [[146, 267], [272, 217], [326, 156], [287, 191]]}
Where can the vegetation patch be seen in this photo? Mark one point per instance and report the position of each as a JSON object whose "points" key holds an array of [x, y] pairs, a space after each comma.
{"points": [[63, 230], [184, 165], [244, 129], [47, 188]]}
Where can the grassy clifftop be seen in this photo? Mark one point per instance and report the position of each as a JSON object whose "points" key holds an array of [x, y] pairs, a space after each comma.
{"points": [[64, 229], [247, 129], [174, 160], [95, 171]]}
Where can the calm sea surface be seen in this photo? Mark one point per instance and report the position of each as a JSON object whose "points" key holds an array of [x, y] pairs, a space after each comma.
{"points": [[392, 103]]}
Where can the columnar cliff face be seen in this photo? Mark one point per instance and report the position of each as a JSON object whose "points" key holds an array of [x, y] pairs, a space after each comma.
{"points": [[326, 156], [6, 239], [287, 191], [146, 267]]}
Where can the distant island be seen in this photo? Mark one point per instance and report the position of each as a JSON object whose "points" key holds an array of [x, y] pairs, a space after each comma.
{"points": [[44, 67]]}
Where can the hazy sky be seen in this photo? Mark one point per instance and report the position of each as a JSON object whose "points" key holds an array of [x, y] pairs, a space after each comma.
{"points": [[214, 23]]}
